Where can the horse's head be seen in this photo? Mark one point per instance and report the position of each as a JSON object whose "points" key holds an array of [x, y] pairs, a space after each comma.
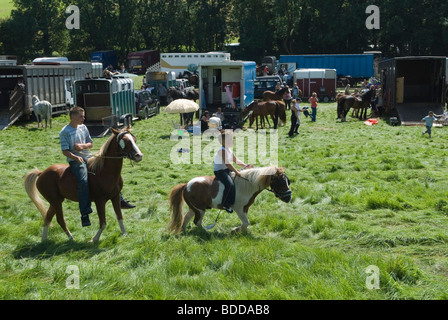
{"points": [[127, 145], [248, 109], [280, 185], [35, 99]]}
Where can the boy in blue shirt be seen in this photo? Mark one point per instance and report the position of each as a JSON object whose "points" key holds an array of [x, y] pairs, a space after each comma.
{"points": [[429, 120]]}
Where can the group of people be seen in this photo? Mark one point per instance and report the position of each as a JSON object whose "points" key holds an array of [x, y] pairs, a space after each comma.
{"points": [[162, 92]]}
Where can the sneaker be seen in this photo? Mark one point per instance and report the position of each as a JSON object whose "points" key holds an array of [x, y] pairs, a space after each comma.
{"points": [[126, 205], [229, 210], [85, 221]]}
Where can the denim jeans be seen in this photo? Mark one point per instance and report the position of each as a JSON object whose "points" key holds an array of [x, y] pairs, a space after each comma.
{"points": [[81, 175], [228, 198], [313, 114]]}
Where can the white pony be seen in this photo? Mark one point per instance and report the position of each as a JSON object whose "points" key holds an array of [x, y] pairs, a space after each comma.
{"points": [[42, 111]]}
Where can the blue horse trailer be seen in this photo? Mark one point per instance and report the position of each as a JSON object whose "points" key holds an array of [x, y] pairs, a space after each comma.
{"points": [[107, 103], [228, 85]]}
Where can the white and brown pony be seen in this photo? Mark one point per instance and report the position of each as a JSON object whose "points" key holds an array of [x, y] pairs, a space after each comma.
{"points": [[42, 111], [202, 193]]}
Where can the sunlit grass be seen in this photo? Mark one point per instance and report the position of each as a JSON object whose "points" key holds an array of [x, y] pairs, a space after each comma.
{"points": [[362, 196]]}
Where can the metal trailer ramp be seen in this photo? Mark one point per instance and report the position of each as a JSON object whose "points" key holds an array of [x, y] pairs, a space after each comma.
{"points": [[411, 114]]}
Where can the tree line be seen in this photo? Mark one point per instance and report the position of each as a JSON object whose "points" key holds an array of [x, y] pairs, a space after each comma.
{"points": [[262, 27]]}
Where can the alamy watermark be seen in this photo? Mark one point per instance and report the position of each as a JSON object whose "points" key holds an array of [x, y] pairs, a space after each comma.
{"points": [[72, 282], [250, 146], [373, 20], [73, 21], [373, 278]]}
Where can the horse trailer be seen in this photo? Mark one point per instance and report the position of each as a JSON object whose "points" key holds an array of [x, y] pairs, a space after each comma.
{"points": [[18, 84], [228, 85], [107, 103], [413, 86], [189, 62], [321, 81]]}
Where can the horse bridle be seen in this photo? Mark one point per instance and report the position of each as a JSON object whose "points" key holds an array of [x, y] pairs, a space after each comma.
{"points": [[122, 144], [281, 195]]}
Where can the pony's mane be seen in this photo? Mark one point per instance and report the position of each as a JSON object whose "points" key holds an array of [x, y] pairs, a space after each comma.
{"points": [[258, 177], [96, 163]]}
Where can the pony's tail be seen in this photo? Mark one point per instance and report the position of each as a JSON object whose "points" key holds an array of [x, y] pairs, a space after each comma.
{"points": [[176, 199], [31, 190]]}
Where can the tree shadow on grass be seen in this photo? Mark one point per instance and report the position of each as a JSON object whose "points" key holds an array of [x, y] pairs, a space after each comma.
{"points": [[50, 248]]}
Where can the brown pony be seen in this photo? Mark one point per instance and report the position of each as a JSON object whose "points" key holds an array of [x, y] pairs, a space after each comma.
{"points": [[345, 102], [270, 95], [57, 183], [204, 193], [275, 109]]}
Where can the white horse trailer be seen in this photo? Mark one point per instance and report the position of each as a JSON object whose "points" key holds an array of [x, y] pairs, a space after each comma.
{"points": [[18, 84]]}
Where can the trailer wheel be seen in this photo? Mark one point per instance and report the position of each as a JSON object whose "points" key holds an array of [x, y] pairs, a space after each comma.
{"points": [[326, 99]]}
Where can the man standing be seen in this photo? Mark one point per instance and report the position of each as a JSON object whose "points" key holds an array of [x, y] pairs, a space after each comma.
{"points": [[162, 94]]}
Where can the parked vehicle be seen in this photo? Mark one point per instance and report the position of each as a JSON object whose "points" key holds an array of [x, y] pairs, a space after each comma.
{"points": [[228, 85], [139, 61], [83, 70], [270, 62], [413, 86], [357, 66], [182, 62], [183, 85], [106, 57], [267, 83], [19, 83], [146, 105], [107, 103], [321, 81]]}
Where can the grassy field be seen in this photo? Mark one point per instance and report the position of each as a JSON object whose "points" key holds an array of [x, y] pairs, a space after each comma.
{"points": [[362, 196], [5, 8]]}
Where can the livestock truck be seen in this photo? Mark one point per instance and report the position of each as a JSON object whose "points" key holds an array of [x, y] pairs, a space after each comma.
{"points": [[19, 83], [83, 70], [106, 57], [356, 66], [137, 62]]}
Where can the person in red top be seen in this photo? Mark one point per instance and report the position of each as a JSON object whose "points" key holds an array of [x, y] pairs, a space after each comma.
{"points": [[313, 100]]}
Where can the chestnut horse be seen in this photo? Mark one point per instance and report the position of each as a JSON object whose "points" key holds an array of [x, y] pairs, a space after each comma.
{"points": [[57, 183], [345, 102], [204, 193], [276, 109], [270, 95]]}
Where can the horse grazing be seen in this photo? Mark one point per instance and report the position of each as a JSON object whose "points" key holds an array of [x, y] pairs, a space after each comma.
{"points": [[42, 110], [204, 193], [270, 95], [345, 102], [57, 182], [275, 109]]}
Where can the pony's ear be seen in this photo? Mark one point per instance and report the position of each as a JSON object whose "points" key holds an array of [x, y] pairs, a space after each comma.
{"points": [[114, 131]]}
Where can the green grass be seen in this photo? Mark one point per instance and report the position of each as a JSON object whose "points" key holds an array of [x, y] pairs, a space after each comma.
{"points": [[5, 8], [362, 196]]}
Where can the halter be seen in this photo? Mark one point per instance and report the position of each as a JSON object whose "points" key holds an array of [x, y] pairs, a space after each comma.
{"points": [[281, 195]]}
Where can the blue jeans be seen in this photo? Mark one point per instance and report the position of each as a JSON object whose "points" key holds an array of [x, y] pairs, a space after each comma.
{"points": [[313, 114], [228, 197], [81, 175], [428, 130]]}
